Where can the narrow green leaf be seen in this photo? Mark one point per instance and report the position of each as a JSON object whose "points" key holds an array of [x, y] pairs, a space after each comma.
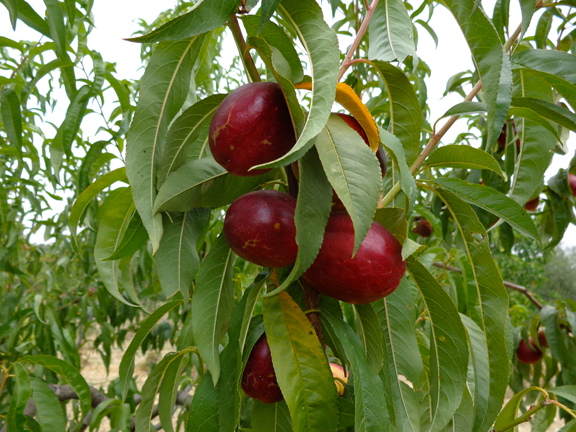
{"points": [[465, 157], [448, 347], [463, 420], [353, 171], [15, 418], [271, 417], [204, 183], [177, 259], [493, 308], [12, 6], [132, 239], [105, 408], [536, 118], [204, 16], [188, 136], [126, 368], [370, 402], [319, 40], [89, 194], [30, 17], [69, 374], [11, 116], [212, 303], [508, 413], [266, 11], [203, 416], [528, 8], [463, 108], [557, 114], [170, 363], [369, 330], [114, 217], [49, 411], [301, 366], [390, 32], [491, 60], [164, 87], [405, 113], [567, 392], [492, 201]]}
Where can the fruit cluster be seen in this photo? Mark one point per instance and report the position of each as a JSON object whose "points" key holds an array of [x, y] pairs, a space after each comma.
{"points": [[253, 126]]}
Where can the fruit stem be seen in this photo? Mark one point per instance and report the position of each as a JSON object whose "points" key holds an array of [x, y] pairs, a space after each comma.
{"points": [[312, 297], [356, 43], [247, 60], [526, 417]]}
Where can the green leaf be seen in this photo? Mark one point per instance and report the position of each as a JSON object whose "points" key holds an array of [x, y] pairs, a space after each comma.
{"points": [[114, 217], [28, 16], [133, 238], [15, 418], [177, 258], [390, 32], [69, 374], [528, 8], [204, 16], [491, 60], [370, 333], [267, 417], [86, 197], [448, 347], [203, 416], [536, 118], [463, 108], [567, 392], [319, 41], [164, 87], [508, 413], [126, 368], [11, 116], [405, 113], [301, 366], [188, 136], [49, 411], [492, 309], [556, 67], [108, 407], [463, 419], [550, 111], [370, 401], [204, 183], [212, 303], [353, 171], [492, 201], [465, 157], [57, 32], [170, 363], [266, 11], [12, 6], [312, 213]]}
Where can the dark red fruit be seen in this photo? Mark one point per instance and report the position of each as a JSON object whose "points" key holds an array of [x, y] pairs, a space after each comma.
{"points": [[503, 137], [542, 339], [423, 228], [532, 205], [259, 227], [354, 124], [259, 380], [572, 183], [528, 354], [251, 126], [373, 273]]}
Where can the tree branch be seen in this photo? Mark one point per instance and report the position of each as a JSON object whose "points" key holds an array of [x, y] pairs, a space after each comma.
{"points": [[510, 285], [247, 60]]}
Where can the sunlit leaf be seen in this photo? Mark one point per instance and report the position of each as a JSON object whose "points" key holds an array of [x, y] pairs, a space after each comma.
{"points": [[462, 156], [390, 32]]}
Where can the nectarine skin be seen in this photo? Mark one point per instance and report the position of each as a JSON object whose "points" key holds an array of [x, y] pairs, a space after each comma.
{"points": [[259, 227], [423, 228], [373, 273], [528, 354], [532, 204], [572, 183], [259, 379], [251, 126]]}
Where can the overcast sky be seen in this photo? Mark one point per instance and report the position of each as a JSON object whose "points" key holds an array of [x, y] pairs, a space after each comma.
{"points": [[118, 19]]}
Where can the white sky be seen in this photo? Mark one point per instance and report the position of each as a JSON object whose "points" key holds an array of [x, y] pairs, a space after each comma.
{"points": [[116, 20]]}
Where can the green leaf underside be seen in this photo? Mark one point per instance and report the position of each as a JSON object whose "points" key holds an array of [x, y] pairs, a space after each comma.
{"points": [[265, 415], [493, 201], [301, 366], [493, 310], [370, 401], [370, 333], [205, 15], [177, 258], [126, 368], [465, 157], [203, 183], [353, 171], [49, 411], [164, 88], [448, 347], [390, 32], [491, 60], [212, 303], [15, 418], [320, 42], [405, 114]]}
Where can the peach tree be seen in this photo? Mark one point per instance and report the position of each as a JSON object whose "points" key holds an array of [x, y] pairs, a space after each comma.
{"points": [[321, 247]]}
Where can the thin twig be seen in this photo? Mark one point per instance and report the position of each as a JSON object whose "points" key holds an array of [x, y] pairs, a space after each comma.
{"points": [[510, 285], [247, 60]]}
